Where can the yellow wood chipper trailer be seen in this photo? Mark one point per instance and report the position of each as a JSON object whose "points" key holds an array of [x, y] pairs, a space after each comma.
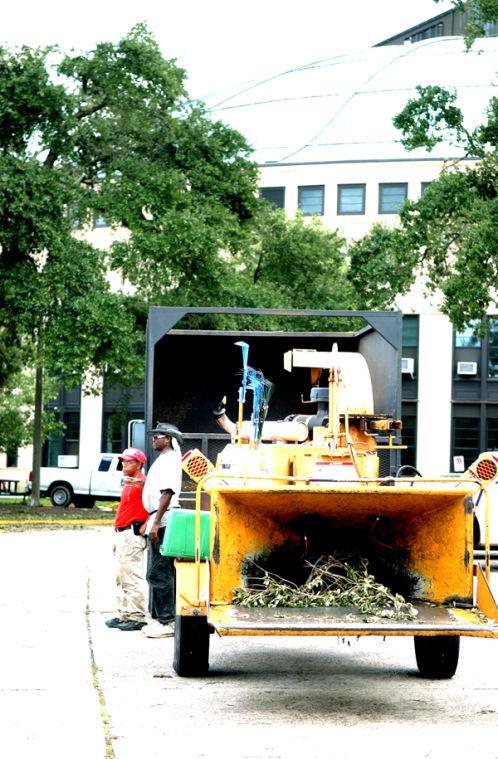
{"points": [[310, 486]]}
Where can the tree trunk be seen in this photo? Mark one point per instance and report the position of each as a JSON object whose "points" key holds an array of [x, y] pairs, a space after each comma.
{"points": [[37, 431]]}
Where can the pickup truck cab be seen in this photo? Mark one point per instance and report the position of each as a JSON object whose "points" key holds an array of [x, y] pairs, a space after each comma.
{"points": [[83, 486]]}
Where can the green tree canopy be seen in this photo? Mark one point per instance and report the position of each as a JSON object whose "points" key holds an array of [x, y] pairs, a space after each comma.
{"points": [[449, 237], [480, 13], [109, 133]]}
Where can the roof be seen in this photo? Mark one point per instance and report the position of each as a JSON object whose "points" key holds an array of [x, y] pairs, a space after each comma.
{"points": [[341, 108]]}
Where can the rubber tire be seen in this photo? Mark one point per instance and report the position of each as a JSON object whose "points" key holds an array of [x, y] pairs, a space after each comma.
{"points": [[84, 501], [191, 651], [477, 533], [437, 656], [61, 496]]}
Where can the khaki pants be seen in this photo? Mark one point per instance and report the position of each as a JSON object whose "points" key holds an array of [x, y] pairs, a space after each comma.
{"points": [[130, 576]]}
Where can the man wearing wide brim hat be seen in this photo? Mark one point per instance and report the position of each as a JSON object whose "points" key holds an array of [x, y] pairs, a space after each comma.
{"points": [[160, 495]]}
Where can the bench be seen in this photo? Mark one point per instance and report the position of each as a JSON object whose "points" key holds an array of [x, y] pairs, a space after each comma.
{"points": [[12, 487]]}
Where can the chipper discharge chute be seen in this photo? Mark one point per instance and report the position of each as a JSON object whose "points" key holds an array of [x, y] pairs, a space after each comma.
{"points": [[299, 522]]}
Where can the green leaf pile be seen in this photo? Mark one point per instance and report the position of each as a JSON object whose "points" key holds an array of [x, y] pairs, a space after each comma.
{"points": [[331, 582]]}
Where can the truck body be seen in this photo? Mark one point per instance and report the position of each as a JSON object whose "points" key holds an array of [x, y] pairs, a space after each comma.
{"points": [[83, 486], [277, 500]]}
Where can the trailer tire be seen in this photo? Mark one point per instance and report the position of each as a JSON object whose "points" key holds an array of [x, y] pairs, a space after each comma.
{"points": [[191, 652], [476, 533], [437, 656], [61, 495]]}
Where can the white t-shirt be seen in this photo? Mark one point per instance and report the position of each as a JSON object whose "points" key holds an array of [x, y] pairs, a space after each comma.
{"points": [[164, 474]]}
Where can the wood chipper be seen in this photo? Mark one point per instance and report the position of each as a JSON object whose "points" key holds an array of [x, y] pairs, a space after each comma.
{"points": [[285, 493]]}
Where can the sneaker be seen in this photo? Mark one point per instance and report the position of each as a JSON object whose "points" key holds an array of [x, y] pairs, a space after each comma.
{"points": [[130, 625], [157, 630], [114, 622]]}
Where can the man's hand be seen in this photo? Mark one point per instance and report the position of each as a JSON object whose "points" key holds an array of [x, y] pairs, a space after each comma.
{"points": [[142, 528], [153, 536]]}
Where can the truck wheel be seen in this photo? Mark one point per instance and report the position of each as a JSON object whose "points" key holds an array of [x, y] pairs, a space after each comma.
{"points": [[477, 533], [84, 501], [191, 653], [437, 656], [61, 495]]}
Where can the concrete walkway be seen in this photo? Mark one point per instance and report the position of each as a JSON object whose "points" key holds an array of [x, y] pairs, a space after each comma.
{"points": [[70, 688]]}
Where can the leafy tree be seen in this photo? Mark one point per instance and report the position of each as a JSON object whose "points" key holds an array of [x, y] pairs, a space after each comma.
{"points": [[294, 263], [481, 13], [109, 133], [16, 411], [449, 237]]}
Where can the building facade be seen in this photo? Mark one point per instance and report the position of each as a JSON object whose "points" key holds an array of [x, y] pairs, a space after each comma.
{"points": [[325, 143]]}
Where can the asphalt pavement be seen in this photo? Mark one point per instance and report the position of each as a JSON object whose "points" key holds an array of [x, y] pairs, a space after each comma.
{"points": [[72, 688]]}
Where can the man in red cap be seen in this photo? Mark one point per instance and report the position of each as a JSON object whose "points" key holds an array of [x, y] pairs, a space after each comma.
{"points": [[130, 545]]}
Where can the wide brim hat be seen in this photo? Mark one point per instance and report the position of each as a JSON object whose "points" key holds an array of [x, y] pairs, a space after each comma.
{"points": [[171, 430]]}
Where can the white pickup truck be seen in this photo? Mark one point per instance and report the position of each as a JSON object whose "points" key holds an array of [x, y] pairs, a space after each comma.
{"points": [[83, 486]]}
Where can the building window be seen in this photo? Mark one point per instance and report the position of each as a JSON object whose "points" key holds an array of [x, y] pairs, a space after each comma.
{"points": [[392, 196], [410, 332], [115, 430], [12, 457], [466, 438], [100, 222], [274, 195], [424, 186], [493, 348], [467, 337], [66, 443], [350, 199], [409, 437], [311, 199], [435, 30], [492, 435]]}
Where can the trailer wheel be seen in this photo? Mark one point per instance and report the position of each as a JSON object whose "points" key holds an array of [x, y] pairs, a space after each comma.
{"points": [[61, 495], [477, 533], [437, 656], [191, 653]]}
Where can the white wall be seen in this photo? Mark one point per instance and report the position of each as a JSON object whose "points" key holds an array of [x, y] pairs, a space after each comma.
{"points": [[434, 393], [331, 175], [90, 429]]}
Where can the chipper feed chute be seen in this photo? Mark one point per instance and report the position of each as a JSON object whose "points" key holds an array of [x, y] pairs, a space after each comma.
{"points": [[278, 508]]}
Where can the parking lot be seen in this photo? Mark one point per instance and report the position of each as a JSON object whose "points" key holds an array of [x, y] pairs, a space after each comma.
{"points": [[72, 687]]}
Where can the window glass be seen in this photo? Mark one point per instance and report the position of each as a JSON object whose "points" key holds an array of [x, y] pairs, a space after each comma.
{"points": [[424, 186], [100, 222], [467, 338], [115, 430], [274, 195], [492, 435], [409, 438], [105, 464], [392, 196], [310, 199], [493, 348], [410, 332], [351, 199], [466, 441], [66, 443]]}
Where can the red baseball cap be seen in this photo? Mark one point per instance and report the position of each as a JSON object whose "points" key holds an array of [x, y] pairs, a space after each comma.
{"points": [[133, 454]]}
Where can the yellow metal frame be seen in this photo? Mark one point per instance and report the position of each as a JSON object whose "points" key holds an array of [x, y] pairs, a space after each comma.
{"points": [[195, 576]]}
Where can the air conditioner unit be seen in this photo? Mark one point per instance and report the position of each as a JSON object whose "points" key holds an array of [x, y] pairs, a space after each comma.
{"points": [[467, 367], [407, 365]]}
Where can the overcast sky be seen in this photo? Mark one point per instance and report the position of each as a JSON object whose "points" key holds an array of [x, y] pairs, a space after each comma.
{"points": [[219, 42]]}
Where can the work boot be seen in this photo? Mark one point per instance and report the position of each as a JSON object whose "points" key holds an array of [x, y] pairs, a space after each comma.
{"points": [[130, 625], [114, 622]]}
